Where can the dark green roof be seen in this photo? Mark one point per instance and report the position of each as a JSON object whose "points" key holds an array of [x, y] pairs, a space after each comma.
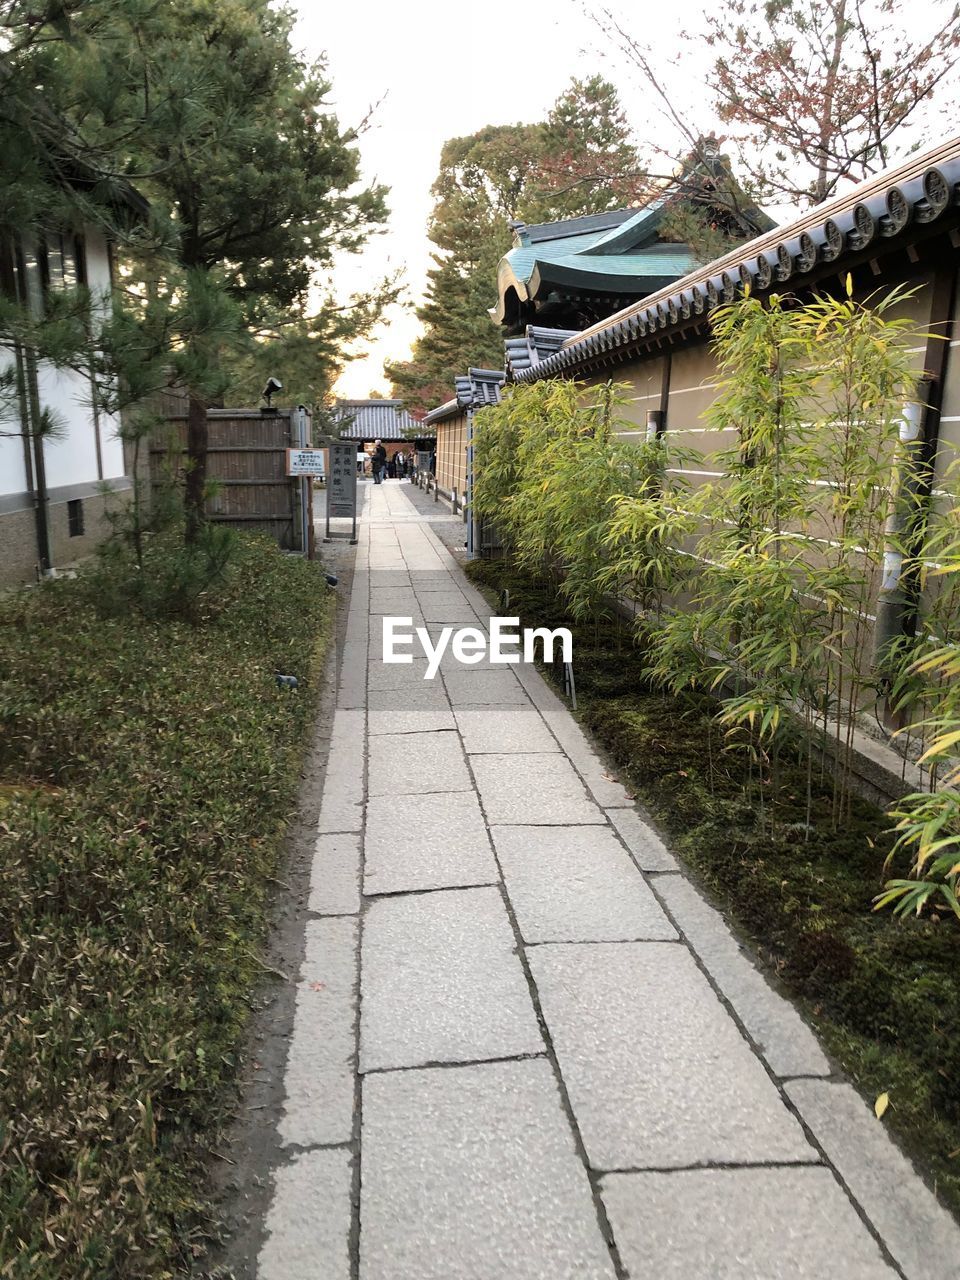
{"points": [[617, 255]]}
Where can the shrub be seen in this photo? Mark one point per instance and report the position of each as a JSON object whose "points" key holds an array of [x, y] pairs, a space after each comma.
{"points": [[148, 767]]}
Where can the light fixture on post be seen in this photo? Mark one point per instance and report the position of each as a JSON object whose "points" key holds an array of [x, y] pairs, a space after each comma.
{"points": [[269, 391]]}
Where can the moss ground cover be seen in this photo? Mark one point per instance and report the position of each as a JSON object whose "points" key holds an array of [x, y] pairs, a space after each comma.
{"points": [[883, 993], [147, 771]]}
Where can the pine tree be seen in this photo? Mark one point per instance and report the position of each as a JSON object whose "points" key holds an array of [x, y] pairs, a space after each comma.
{"points": [[206, 107]]}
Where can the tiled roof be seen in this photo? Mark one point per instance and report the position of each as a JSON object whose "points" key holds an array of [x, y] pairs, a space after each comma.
{"points": [[474, 389], [617, 255], [536, 344], [589, 225], [374, 419], [924, 190]]}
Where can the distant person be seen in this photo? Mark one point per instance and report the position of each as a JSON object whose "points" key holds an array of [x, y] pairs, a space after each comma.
{"points": [[379, 463], [401, 465]]}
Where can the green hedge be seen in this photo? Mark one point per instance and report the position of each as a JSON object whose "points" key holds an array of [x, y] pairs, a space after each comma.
{"points": [[147, 772]]}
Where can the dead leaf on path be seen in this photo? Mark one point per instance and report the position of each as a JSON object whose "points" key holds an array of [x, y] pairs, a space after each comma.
{"points": [[318, 986], [881, 1105]]}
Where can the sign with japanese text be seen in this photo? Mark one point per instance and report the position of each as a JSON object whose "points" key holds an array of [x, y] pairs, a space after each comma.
{"points": [[342, 480], [305, 462]]}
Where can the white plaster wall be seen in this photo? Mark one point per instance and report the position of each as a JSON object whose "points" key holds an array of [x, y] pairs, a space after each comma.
{"points": [[13, 474], [72, 458]]}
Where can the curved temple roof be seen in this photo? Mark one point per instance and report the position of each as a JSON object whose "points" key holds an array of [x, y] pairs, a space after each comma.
{"points": [[374, 419], [924, 190], [616, 255], [608, 259]]}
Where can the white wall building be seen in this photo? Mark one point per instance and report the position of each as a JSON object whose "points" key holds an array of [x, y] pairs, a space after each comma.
{"points": [[55, 488]]}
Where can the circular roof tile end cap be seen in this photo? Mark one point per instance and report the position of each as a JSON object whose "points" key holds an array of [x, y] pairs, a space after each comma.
{"points": [[698, 300], [936, 190], [673, 310], [764, 272], [806, 252], [898, 213], [713, 292], [864, 226], [784, 268], [832, 245]]}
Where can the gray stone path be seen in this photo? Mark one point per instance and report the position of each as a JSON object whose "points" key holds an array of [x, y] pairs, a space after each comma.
{"points": [[525, 1048]]}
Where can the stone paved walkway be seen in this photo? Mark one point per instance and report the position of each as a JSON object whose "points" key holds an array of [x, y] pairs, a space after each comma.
{"points": [[525, 1048]]}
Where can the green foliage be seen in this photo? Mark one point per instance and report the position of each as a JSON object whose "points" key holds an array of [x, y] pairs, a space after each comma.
{"points": [[148, 768], [760, 588], [790, 542], [552, 473], [163, 577], [928, 692], [253, 186]]}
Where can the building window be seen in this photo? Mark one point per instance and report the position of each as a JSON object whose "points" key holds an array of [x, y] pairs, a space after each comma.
{"points": [[61, 261], [75, 517]]}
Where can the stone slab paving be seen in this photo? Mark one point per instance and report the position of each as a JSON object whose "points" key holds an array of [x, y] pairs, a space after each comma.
{"points": [[418, 707], [397, 675], [341, 806], [533, 790], [443, 609], [309, 1223], [392, 600], [497, 729], [576, 884], [441, 982], [922, 1237], [648, 850], [781, 1035], [417, 763], [441, 842], [467, 688], [568, 1069], [472, 1173], [658, 1074], [335, 875], [739, 1224], [321, 1066]]}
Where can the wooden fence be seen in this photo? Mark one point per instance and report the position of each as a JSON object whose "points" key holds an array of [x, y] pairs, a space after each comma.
{"points": [[246, 464]]}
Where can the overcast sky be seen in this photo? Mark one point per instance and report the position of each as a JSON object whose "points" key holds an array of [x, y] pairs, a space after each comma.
{"points": [[444, 68]]}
